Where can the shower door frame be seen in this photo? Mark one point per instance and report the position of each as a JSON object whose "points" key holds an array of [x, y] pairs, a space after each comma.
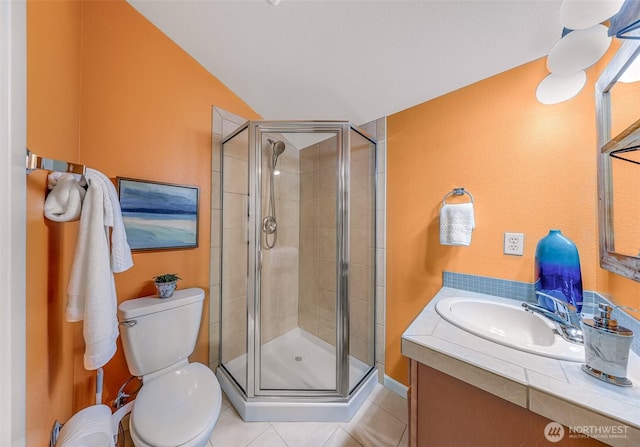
{"points": [[342, 131]]}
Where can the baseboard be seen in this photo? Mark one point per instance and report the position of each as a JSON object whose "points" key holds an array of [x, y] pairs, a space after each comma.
{"points": [[395, 386]]}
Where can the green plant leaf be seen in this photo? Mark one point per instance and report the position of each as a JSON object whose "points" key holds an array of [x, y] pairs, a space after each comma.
{"points": [[167, 277]]}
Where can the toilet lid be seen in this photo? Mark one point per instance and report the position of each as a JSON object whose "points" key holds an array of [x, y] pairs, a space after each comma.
{"points": [[175, 407]]}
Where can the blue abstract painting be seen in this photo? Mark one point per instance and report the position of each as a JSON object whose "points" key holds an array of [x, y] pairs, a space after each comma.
{"points": [[159, 215]]}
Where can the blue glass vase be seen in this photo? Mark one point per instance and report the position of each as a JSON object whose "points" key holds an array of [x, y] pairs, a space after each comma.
{"points": [[558, 271]]}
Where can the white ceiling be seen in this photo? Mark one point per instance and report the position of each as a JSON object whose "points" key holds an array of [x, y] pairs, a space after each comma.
{"points": [[354, 60]]}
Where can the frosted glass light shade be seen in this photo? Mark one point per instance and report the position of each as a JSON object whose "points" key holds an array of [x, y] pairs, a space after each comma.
{"points": [[581, 14], [578, 50], [557, 88]]}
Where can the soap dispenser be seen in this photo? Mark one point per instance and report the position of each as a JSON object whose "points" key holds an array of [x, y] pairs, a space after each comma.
{"points": [[606, 347]]}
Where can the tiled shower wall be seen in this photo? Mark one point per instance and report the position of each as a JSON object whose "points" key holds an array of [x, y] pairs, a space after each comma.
{"points": [[316, 309], [318, 240], [280, 266]]}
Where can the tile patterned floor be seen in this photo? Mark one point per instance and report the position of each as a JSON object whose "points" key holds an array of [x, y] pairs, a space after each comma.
{"points": [[380, 422]]}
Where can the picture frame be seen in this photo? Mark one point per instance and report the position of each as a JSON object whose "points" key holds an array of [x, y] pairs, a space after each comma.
{"points": [[158, 215]]}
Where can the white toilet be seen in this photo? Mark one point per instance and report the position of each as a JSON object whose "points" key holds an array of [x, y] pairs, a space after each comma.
{"points": [[179, 402]]}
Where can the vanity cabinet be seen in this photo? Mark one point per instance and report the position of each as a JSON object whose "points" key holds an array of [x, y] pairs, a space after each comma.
{"points": [[448, 412], [467, 391]]}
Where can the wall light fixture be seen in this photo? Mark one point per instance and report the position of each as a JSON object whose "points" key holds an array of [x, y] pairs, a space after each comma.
{"points": [[584, 41]]}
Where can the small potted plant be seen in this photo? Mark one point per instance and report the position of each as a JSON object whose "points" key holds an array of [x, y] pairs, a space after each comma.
{"points": [[166, 284]]}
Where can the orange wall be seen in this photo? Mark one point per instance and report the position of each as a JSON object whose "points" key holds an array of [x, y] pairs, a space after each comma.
{"points": [[107, 89], [53, 115], [531, 167]]}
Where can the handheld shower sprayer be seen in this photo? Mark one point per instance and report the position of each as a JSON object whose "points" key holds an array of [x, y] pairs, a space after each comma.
{"points": [[277, 148], [269, 223]]}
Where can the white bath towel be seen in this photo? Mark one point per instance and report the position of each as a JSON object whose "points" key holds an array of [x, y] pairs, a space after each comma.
{"points": [[457, 222], [64, 202], [91, 290]]}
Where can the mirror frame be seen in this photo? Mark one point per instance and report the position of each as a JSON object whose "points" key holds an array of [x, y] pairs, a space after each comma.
{"points": [[624, 265]]}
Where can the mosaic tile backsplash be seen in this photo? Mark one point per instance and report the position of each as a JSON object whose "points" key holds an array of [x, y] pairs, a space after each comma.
{"points": [[524, 291]]}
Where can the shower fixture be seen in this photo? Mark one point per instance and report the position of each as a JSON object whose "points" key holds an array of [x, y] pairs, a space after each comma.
{"points": [[278, 148], [269, 223]]}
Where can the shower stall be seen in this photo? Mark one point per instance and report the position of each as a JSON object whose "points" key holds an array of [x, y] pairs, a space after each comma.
{"points": [[297, 269]]}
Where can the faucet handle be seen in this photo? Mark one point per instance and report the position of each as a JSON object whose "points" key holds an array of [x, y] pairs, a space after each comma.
{"points": [[557, 301], [605, 310]]}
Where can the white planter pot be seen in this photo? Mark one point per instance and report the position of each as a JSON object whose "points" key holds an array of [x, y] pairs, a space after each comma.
{"points": [[165, 289]]}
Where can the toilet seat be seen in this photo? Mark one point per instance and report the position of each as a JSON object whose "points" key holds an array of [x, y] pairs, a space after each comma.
{"points": [[177, 409]]}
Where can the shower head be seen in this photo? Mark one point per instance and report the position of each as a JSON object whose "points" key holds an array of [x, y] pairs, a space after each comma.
{"points": [[277, 146]]}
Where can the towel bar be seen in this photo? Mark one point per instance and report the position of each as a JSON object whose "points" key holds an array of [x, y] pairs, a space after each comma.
{"points": [[457, 192], [36, 162]]}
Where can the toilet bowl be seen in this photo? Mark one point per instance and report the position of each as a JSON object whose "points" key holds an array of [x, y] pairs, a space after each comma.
{"points": [[178, 408], [179, 402]]}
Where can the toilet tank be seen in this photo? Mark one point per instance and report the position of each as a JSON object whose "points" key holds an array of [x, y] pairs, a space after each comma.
{"points": [[158, 332]]}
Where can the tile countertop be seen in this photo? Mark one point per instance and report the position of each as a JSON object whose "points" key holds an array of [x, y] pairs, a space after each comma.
{"points": [[556, 389]]}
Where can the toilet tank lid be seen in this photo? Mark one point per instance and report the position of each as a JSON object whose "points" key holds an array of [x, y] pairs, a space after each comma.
{"points": [[151, 304]]}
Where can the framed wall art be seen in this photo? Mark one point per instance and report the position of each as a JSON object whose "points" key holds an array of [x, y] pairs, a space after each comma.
{"points": [[159, 216]]}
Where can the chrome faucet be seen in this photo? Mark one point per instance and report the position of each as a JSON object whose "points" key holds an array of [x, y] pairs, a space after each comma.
{"points": [[565, 316]]}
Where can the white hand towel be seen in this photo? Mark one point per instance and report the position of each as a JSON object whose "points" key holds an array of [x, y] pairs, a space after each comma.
{"points": [[121, 259], [91, 290], [64, 202], [457, 222]]}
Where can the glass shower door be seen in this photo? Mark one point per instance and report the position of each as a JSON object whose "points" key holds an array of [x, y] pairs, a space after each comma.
{"points": [[362, 252], [298, 279], [235, 256]]}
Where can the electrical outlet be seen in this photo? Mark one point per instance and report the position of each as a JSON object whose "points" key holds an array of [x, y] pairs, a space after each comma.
{"points": [[514, 244]]}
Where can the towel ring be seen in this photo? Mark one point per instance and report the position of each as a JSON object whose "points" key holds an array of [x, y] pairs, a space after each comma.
{"points": [[456, 192]]}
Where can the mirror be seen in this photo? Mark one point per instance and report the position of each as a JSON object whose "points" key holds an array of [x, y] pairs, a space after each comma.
{"points": [[625, 203], [618, 174]]}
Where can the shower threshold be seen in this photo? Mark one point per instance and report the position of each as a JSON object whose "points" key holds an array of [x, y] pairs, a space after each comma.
{"points": [[297, 360]]}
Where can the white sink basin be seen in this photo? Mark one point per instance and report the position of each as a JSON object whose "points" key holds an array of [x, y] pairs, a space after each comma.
{"points": [[506, 322]]}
